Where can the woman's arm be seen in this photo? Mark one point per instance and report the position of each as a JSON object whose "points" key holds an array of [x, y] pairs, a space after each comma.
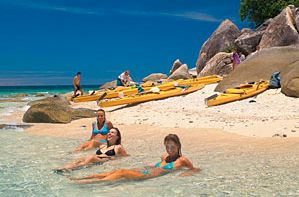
{"points": [[92, 135], [188, 164], [109, 124], [120, 151]]}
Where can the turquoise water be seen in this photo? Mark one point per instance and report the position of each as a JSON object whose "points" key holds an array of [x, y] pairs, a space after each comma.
{"points": [[6, 91], [15, 98], [26, 164]]}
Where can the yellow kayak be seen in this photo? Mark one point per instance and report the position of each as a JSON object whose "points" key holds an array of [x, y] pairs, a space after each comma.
{"points": [[238, 93], [202, 80], [138, 98], [88, 97]]}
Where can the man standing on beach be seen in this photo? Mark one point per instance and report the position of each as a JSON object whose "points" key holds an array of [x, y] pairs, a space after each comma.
{"points": [[76, 84]]}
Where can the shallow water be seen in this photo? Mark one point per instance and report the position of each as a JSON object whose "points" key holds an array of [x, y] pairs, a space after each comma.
{"points": [[27, 163]]}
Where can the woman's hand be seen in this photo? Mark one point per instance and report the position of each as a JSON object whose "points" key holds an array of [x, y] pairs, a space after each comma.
{"points": [[190, 172]]}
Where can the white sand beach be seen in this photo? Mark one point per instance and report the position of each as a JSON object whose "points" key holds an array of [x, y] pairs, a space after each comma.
{"points": [[269, 114]]}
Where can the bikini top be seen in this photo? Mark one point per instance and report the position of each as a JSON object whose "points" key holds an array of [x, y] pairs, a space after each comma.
{"points": [[108, 153], [103, 131], [167, 166]]}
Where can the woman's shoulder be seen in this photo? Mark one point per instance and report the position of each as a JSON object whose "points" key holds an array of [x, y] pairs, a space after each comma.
{"points": [[103, 146], [119, 149], [182, 159], [118, 146], [163, 156], [108, 122]]}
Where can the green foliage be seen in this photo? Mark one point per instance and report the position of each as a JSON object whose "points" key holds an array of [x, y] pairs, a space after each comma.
{"points": [[230, 48], [257, 11]]}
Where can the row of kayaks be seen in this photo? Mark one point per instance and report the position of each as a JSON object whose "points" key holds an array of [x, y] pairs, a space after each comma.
{"points": [[120, 92], [132, 95], [149, 96]]}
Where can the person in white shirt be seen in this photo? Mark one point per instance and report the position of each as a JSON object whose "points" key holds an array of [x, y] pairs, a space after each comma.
{"points": [[124, 79]]}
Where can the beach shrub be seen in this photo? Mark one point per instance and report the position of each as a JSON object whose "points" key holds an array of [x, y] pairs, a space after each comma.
{"points": [[230, 48], [257, 11]]}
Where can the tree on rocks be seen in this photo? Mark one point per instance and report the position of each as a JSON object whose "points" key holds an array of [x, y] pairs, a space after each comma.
{"points": [[257, 11]]}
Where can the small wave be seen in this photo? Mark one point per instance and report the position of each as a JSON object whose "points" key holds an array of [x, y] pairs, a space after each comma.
{"points": [[25, 108], [28, 98], [7, 111], [13, 127]]}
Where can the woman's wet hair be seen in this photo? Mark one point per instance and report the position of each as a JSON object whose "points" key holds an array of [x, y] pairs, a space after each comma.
{"points": [[174, 138], [118, 141]]}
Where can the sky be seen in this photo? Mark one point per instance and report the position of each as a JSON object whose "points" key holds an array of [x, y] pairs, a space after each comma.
{"points": [[46, 42]]}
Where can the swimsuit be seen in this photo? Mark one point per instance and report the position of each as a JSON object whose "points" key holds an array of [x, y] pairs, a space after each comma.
{"points": [[167, 166], [108, 153], [78, 87], [103, 131]]}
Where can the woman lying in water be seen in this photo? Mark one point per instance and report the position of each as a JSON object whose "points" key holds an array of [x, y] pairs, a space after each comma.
{"points": [[171, 160], [106, 152], [100, 129]]}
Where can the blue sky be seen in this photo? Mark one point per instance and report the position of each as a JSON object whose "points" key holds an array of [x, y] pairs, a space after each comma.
{"points": [[48, 41]]}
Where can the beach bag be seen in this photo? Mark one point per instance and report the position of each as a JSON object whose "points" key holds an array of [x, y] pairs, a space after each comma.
{"points": [[139, 88], [274, 80]]}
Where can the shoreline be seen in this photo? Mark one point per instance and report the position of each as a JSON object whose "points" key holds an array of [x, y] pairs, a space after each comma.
{"points": [[270, 114]]}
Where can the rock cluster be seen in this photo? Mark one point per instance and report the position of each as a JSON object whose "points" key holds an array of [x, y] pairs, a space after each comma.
{"points": [[273, 46]]}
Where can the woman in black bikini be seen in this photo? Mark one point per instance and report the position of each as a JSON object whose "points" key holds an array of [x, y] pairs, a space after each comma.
{"points": [[106, 152]]}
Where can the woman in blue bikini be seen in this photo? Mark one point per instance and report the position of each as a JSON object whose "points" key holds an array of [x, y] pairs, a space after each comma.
{"points": [[100, 129], [170, 161], [112, 149]]}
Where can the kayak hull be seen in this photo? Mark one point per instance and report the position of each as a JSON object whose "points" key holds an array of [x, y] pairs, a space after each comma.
{"points": [[149, 96], [238, 93]]}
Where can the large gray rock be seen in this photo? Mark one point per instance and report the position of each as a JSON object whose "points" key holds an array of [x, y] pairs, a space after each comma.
{"points": [[297, 18], [109, 85], [154, 77], [180, 73], [55, 110], [82, 113], [260, 65], [290, 80], [222, 38], [248, 41], [281, 31], [220, 64], [60, 100], [176, 64], [48, 113], [246, 31], [264, 26]]}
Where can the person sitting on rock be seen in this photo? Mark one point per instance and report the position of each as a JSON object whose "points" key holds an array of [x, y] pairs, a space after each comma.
{"points": [[100, 129], [124, 79]]}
